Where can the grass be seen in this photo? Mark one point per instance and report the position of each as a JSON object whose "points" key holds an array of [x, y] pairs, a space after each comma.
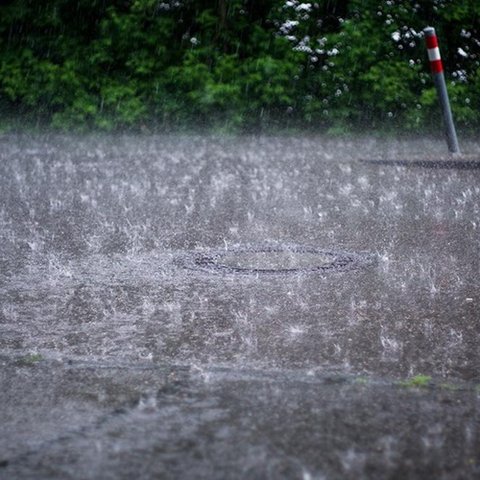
{"points": [[450, 387], [361, 381], [30, 359], [418, 381]]}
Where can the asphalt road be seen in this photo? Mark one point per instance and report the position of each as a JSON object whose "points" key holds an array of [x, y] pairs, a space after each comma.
{"points": [[255, 307]]}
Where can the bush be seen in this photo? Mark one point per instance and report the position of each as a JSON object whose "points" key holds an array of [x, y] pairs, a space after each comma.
{"points": [[236, 65]]}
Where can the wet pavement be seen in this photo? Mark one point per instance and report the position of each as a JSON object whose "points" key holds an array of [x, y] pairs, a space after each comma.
{"points": [[256, 307]]}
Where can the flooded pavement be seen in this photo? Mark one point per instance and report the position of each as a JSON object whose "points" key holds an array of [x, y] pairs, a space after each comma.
{"points": [[196, 307]]}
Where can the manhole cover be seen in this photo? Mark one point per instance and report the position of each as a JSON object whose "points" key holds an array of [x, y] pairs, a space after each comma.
{"points": [[460, 162], [267, 259]]}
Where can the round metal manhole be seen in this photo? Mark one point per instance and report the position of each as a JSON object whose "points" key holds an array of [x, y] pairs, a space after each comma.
{"points": [[459, 162], [268, 259]]}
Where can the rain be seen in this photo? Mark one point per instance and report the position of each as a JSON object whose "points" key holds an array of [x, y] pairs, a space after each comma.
{"points": [[197, 303]]}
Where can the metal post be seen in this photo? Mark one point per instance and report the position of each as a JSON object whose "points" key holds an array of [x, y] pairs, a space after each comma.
{"points": [[439, 80]]}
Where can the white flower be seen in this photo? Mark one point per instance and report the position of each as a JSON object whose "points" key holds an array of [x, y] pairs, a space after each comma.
{"points": [[460, 75], [304, 7], [302, 48], [396, 36], [288, 26]]}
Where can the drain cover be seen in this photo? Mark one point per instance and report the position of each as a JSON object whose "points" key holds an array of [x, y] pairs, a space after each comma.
{"points": [[268, 259], [460, 162]]}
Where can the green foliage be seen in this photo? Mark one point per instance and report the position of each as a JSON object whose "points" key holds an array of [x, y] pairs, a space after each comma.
{"points": [[29, 360], [418, 381], [235, 65]]}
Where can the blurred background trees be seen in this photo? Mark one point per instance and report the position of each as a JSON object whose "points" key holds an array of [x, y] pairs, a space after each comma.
{"points": [[234, 65]]}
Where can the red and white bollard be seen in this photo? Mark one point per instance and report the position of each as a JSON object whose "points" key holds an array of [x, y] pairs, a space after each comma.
{"points": [[439, 80]]}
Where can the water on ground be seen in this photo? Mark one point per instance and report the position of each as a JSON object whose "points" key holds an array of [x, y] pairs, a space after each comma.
{"points": [[255, 307]]}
